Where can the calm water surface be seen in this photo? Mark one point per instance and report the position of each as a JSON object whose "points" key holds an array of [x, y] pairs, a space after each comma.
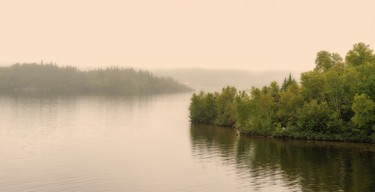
{"points": [[114, 144]]}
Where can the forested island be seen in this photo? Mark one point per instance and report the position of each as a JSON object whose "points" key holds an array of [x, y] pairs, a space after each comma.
{"points": [[51, 79], [335, 101]]}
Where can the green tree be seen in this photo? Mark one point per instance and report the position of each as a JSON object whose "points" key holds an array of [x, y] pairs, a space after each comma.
{"points": [[290, 101], [262, 114], [314, 117], [313, 86], [288, 81], [225, 107], [360, 55], [364, 113], [325, 60], [366, 78], [202, 108], [243, 104]]}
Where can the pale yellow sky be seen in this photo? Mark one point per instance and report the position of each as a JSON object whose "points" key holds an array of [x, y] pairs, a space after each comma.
{"points": [[245, 34]]}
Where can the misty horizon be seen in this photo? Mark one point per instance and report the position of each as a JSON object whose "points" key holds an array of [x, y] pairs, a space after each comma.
{"points": [[241, 34], [197, 95]]}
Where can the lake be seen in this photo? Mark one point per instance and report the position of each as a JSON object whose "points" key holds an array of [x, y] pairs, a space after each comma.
{"points": [[115, 144]]}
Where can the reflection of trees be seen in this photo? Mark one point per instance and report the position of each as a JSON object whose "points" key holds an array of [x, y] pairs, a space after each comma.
{"points": [[311, 166], [210, 140]]}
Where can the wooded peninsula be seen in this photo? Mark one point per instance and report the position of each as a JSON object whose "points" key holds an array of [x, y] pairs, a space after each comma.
{"points": [[335, 101], [50, 79]]}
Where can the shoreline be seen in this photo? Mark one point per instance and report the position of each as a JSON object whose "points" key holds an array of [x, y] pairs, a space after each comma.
{"points": [[297, 136]]}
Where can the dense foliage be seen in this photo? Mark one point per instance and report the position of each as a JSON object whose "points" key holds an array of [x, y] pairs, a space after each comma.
{"points": [[39, 78], [335, 101]]}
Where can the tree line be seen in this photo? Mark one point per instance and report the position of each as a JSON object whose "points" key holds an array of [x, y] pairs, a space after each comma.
{"points": [[335, 101], [52, 79]]}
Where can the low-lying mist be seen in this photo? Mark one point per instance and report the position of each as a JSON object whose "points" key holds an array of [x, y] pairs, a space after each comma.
{"points": [[216, 79]]}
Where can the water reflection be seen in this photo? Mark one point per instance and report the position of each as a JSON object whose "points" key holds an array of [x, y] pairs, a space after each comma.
{"points": [[147, 144], [94, 143], [268, 164]]}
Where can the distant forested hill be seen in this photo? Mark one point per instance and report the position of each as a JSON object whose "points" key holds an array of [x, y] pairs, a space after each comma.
{"points": [[39, 78], [215, 79]]}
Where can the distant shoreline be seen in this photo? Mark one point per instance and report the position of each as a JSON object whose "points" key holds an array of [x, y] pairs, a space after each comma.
{"points": [[32, 78]]}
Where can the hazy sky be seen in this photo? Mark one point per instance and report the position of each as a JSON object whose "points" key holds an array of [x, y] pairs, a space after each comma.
{"points": [[245, 34]]}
